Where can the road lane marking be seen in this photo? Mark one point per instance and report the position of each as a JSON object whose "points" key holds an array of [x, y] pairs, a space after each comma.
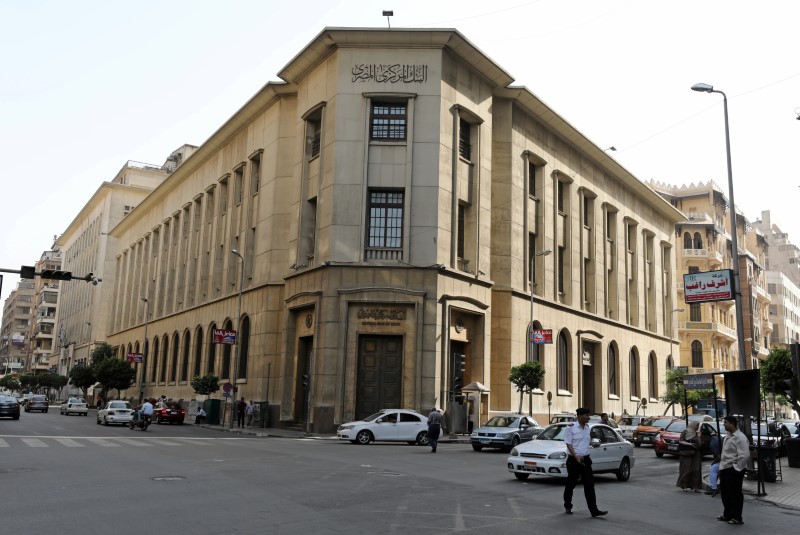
{"points": [[68, 442], [3, 443], [133, 442], [162, 442], [35, 443], [102, 442]]}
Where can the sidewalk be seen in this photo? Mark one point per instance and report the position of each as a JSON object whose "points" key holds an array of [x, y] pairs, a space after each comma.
{"points": [[785, 492]]}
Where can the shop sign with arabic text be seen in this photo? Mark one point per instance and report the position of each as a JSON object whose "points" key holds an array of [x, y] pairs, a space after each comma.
{"points": [[408, 74], [708, 286]]}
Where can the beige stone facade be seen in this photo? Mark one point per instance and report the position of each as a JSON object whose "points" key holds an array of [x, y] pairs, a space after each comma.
{"points": [[384, 202]]}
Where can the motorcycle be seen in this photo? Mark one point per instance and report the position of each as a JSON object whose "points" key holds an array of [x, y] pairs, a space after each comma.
{"points": [[139, 420]]}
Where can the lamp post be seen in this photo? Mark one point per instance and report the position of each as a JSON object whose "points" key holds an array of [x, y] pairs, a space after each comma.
{"points": [[144, 356], [737, 296], [238, 329], [672, 328]]}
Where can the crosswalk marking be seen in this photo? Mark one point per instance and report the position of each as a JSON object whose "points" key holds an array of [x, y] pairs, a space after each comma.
{"points": [[35, 443], [103, 442], [139, 441], [3, 443], [133, 442], [68, 442], [164, 442]]}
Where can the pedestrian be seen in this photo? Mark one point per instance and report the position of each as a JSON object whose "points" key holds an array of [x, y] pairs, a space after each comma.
{"points": [[690, 475], [732, 464], [604, 418], [434, 428], [249, 412], [201, 415], [577, 437], [241, 407], [715, 445]]}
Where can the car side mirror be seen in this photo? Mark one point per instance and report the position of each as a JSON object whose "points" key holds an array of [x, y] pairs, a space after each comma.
{"points": [[524, 427], [595, 442]]}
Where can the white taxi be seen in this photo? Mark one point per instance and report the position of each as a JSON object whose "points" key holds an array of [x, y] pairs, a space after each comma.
{"points": [[74, 406], [391, 425]]}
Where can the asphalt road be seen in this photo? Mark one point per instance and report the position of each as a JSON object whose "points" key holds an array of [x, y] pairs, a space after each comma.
{"points": [[65, 474]]}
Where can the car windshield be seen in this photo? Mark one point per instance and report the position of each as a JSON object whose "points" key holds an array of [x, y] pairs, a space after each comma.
{"points": [[75, 400], [119, 405], [554, 432], [629, 421], [38, 398], [501, 421], [658, 422], [678, 426], [373, 417]]}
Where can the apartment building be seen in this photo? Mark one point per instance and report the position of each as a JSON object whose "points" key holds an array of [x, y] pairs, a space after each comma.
{"points": [[43, 317], [386, 206], [17, 315]]}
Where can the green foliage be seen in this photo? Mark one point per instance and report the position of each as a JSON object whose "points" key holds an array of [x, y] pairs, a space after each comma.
{"points": [[101, 353], [10, 383], [82, 377], [114, 374], [51, 380], [29, 382], [205, 385], [775, 370], [675, 392], [526, 377]]}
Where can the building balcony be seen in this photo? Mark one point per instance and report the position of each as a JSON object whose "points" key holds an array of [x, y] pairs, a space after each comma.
{"points": [[711, 255], [762, 293], [376, 253], [714, 327]]}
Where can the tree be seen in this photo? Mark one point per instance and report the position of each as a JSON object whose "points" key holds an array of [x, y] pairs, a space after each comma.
{"points": [[10, 383], [205, 385], [114, 374], [526, 377], [82, 377], [101, 353], [29, 382], [677, 395], [776, 369]]}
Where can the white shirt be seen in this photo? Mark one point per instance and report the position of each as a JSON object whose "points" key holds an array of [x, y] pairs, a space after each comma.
{"points": [[735, 451], [579, 437], [147, 408]]}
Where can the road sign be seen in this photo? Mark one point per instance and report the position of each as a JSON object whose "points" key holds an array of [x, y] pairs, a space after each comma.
{"points": [[542, 336], [224, 336], [135, 357], [226, 394], [227, 387], [700, 381]]}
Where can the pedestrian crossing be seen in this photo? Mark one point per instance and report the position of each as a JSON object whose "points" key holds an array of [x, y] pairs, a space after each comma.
{"points": [[108, 442]]}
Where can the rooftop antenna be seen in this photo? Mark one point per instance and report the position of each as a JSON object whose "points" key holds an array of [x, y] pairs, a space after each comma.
{"points": [[387, 14]]}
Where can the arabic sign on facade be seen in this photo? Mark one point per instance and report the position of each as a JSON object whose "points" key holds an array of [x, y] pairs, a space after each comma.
{"points": [[708, 286], [542, 336], [135, 357], [700, 381], [224, 336], [366, 72]]}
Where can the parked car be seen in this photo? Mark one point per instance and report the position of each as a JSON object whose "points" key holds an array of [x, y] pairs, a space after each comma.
{"points": [[647, 430], [74, 406], [505, 431], [628, 424], [772, 434], [793, 427], [9, 407], [168, 411], [563, 417], [666, 443], [393, 425], [699, 417], [37, 403], [115, 412], [546, 455]]}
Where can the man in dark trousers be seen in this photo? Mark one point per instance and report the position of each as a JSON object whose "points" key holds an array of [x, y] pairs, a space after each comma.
{"points": [[579, 463], [735, 454], [434, 428], [241, 407]]}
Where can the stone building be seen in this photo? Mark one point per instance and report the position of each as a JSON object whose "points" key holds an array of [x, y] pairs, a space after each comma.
{"points": [[43, 317], [386, 206], [15, 329]]}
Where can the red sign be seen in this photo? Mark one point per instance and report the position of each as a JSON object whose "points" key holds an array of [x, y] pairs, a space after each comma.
{"points": [[708, 286], [135, 357], [223, 336], [542, 336]]}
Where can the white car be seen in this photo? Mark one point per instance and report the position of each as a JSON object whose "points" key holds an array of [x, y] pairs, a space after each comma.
{"points": [[546, 455], [115, 412], [74, 406], [393, 425]]}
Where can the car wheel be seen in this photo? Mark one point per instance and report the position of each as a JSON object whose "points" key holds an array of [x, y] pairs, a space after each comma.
{"points": [[364, 437], [105, 421], [624, 472], [98, 420], [422, 438], [637, 444], [659, 454], [521, 477], [16, 417], [180, 423], [514, 444], [158, 420], [478, 447]]}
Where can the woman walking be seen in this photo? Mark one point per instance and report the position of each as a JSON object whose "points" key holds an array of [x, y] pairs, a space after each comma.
{"points": [[690, 471]]}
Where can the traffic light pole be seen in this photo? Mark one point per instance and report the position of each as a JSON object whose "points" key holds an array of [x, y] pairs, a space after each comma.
{"points": [[29, 272]]}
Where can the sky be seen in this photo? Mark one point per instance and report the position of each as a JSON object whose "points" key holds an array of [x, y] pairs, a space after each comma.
{"points": [[87, 85]]}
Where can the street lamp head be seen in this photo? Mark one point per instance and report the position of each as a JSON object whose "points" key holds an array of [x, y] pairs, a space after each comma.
{"points": [[144, 299], [234, 251], [678, 309], [544, 252], [703, 88]]}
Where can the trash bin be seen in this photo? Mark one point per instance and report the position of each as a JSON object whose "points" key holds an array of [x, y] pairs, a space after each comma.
{"points": [[793, 452], [213, 412], [766, 463]]}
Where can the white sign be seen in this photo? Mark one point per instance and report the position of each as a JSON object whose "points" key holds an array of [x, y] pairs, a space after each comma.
{"points": [[708, 286]]}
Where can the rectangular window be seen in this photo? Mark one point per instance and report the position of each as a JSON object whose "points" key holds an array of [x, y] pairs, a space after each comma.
{"points": [[460, 241], [223, 195], [386, 219], [464, 140], [694, 312], [238, 184], [561, 270], [315, 132], [255, 174], [532, 172], [388, 121], [560, 194]]}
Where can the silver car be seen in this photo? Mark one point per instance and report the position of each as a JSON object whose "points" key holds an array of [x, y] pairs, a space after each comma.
{"points": [[505, 431]]}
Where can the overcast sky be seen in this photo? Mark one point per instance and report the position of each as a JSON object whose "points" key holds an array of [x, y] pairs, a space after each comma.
{"points": [[87, 85]]}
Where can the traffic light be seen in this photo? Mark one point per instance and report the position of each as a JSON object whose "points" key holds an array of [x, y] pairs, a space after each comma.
{"points": [[461, 364], [459, 367], [56, 274], [305, 381]]}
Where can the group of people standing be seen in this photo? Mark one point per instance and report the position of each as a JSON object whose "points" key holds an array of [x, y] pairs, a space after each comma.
{"points": [[726, 474], [244, 410]]}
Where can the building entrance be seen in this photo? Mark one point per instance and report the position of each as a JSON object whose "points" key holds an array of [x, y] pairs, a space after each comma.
{"points": [[380, 373], [304, 347]]}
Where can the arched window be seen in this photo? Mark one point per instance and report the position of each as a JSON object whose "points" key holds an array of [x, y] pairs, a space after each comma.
{"points": [[244, 349], [154, 365], [225, 372], [212, 350], [613, 384], [173, 372], [563, 361], [634, 372], [687, 240], [698, 241], [697, 354], [198, 351], [162, 374], [652, 378], [185, 363]]}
